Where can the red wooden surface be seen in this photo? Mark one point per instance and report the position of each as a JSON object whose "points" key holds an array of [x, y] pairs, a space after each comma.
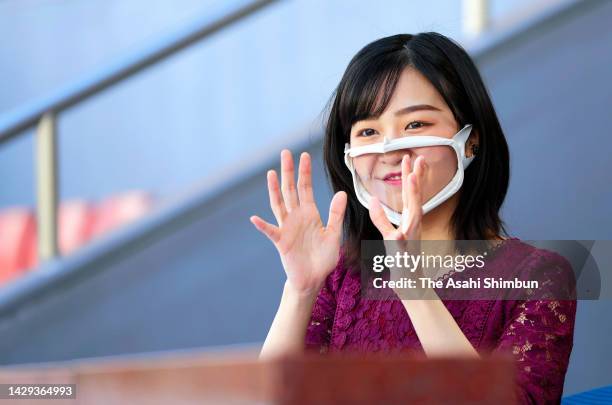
{"points": [[238, 377]]}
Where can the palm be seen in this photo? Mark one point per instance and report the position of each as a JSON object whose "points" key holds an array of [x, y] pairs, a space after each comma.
{"points": [[412, 199], [412, 212], [308, 249]]}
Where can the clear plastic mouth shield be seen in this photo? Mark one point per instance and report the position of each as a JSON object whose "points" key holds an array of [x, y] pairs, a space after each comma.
{"points": [[375, 166]]}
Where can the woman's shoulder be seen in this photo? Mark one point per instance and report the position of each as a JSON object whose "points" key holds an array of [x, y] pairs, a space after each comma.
{"points": [[527, 260], [529, 255]]}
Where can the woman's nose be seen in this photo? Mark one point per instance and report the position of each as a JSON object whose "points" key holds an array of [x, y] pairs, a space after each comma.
{"points": [[394, 158]]}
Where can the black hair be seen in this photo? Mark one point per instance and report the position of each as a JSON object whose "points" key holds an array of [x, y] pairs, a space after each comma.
{"points": [[365, 90]]}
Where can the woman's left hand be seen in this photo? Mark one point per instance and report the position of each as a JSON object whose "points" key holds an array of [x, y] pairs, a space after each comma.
{"points": [[434, 325], [412, 201], [410, 226]]}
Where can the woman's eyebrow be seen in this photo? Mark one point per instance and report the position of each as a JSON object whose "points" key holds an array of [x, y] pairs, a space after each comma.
{"points": [[405, 110], [417, 107]]}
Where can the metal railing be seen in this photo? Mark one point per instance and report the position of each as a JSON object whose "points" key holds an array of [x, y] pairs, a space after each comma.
{"points": [[475, 17], [43, 113]]}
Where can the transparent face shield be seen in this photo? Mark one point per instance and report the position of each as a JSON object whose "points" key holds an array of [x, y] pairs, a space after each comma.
{"points": [[375, 166]]}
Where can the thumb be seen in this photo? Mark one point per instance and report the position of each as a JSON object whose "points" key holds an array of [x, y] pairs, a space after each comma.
{"points": [[271, 231], [337, 207]]}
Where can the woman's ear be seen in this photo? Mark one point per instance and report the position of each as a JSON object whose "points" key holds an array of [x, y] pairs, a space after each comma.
{"points": [[472, 144]]}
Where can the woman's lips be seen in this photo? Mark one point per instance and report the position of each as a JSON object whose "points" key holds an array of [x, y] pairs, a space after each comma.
{"points": [[393, 179], [392, 182]]}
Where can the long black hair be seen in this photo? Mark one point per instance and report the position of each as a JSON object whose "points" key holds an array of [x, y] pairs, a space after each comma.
{"points": [[375, 70]]}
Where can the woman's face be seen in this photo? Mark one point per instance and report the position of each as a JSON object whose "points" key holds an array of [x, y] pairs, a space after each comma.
{"points": [[415, 109]]}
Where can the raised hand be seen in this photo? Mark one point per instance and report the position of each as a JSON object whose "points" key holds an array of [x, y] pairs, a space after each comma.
{"points": [[308, 249], [412, 210], [410, 226]]}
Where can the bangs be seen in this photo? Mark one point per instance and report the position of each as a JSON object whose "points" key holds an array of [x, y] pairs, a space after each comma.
{"points": [[368, 88]]}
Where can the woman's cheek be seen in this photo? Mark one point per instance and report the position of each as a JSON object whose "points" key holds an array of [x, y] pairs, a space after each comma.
{"points": [[442, 166], [364, 167]]}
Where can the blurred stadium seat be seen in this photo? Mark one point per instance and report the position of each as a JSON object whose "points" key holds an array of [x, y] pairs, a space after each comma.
{"points": [[79, 222], [76, 222], [119, 210], [17, 241]]}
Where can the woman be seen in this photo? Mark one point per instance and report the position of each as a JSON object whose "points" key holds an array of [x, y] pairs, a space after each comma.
{"points": [[395, 88]]}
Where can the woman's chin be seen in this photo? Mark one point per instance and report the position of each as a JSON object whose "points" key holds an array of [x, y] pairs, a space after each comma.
{"points": [[394, 205]]}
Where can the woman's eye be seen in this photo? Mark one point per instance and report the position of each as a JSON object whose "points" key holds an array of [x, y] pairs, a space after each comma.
{"points": [[366, 132], [415, 125]]}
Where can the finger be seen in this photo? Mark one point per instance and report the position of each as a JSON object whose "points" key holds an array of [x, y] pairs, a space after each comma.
{"points": [[406, 191], [419, 179], [405, 182], [287, 181], [411, 217], [379, 219], [304, 184], [416, 196], [276, 200], [271, 231], [337, 207], [420, 168]]}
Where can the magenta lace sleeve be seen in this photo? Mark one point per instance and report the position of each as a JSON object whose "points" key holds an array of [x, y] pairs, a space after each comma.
{"points": [[318, 333], [539, 334]]}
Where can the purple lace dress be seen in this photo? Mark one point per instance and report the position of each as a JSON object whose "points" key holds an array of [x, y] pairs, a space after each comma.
{"points": [[538, 333]]}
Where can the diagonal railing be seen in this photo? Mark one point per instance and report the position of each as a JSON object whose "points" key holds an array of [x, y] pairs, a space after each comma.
{"points": [[43, 113]]}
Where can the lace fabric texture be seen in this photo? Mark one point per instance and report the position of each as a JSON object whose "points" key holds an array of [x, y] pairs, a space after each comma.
{"points": [[538, 333]]}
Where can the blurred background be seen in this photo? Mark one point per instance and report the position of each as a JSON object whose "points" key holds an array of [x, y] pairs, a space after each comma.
{"points": [[148, 126]]}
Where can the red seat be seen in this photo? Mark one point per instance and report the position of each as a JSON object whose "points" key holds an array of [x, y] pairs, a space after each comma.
{"points": [[17, 242], [119, 210], [79, 222], [76, 222]]}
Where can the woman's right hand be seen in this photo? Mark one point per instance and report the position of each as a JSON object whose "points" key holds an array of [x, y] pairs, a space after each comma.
{"points": [[308, 249]]}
